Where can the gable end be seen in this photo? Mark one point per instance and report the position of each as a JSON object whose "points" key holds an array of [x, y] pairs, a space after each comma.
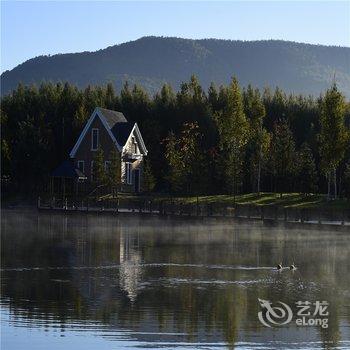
{"points": [[96, 114], [142, 145]]}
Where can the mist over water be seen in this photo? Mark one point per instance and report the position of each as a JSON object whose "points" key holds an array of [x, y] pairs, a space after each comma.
{"points": [[99, 282]]}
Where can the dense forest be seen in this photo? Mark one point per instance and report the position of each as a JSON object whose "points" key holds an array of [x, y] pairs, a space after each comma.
{"points": [[227, 139], [152, 61]]}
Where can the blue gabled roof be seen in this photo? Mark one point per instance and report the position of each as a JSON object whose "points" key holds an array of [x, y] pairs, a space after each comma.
{"points": [[121, 132], [118, 124], [112, 117]]}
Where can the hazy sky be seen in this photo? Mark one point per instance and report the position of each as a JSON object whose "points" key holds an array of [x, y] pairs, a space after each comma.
{"points": [[29, 29]]}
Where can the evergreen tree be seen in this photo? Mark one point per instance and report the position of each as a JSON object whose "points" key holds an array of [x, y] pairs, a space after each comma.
{"points": [[213, 97], [307, 172], [79, 119], [176, 172], [193, 107], [333, 136], [283, 155], [110, 100], [185, 160], [90, 99], [164, 110], [233, 135], [126, 98], [41, 125], [259, 138], [192, 157]]}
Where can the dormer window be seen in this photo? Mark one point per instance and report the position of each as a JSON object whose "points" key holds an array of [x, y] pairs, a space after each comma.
{"points": [[94, 139], [134, 144]]}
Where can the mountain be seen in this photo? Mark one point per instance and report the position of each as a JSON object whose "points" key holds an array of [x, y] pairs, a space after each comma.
{"points": [[152, 61]]}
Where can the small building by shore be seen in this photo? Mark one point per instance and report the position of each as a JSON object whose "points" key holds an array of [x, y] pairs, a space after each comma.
{"points": [[107, 130]]}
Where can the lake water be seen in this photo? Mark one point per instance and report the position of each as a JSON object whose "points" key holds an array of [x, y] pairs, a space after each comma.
{"points": [[93, 282]]}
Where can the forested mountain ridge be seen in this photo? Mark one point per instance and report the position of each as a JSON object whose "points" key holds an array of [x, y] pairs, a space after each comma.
{"points": [[153, 61]]}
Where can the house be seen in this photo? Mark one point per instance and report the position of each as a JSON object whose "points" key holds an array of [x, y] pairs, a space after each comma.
{"points": [[108, 130]]}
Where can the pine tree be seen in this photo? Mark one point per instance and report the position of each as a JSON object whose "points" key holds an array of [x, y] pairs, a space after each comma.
{"points": [[233, 135], [126, 99], [333, 137], [185, 160], [42, 125], [307, 172], [164, 109], [80, 118], [176, 171], [192, 157], [110, 100], [283, 155], [213, 97], [259, 138]]}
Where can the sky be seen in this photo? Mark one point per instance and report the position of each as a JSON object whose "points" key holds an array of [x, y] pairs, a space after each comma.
{"points": [[30, 29]]}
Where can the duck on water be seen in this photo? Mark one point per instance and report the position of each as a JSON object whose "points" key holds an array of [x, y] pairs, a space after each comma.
{"points": [[292, 267]]}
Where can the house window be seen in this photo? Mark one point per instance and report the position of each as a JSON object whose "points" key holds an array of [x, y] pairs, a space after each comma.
{"points": [[128, 170], [134, 145], [107, 165], [94, 139], [81, 166], [92, 170]]}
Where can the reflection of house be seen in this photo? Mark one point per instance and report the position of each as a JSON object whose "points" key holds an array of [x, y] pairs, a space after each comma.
{"points": [[130, 272], [110, 131]]}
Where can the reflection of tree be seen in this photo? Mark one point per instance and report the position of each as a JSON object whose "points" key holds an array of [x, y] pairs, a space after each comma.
{"points": [[130, 272], [331, 336], [178, 297]]}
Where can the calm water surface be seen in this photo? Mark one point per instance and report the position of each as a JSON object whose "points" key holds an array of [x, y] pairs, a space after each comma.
{"points": [[93, 282]]}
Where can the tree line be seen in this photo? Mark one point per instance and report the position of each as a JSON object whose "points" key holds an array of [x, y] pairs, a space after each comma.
{"points": [[225, 140]]}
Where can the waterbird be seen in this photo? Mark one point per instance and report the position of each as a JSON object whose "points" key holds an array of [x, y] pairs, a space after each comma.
{"points": [[279, 266], [292, 267]]}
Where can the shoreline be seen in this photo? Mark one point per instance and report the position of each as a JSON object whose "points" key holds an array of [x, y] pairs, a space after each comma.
{"points": [[128, 213]]}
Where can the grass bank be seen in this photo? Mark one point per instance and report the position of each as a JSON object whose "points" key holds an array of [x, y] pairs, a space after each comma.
{"points": [[288, 200]]}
